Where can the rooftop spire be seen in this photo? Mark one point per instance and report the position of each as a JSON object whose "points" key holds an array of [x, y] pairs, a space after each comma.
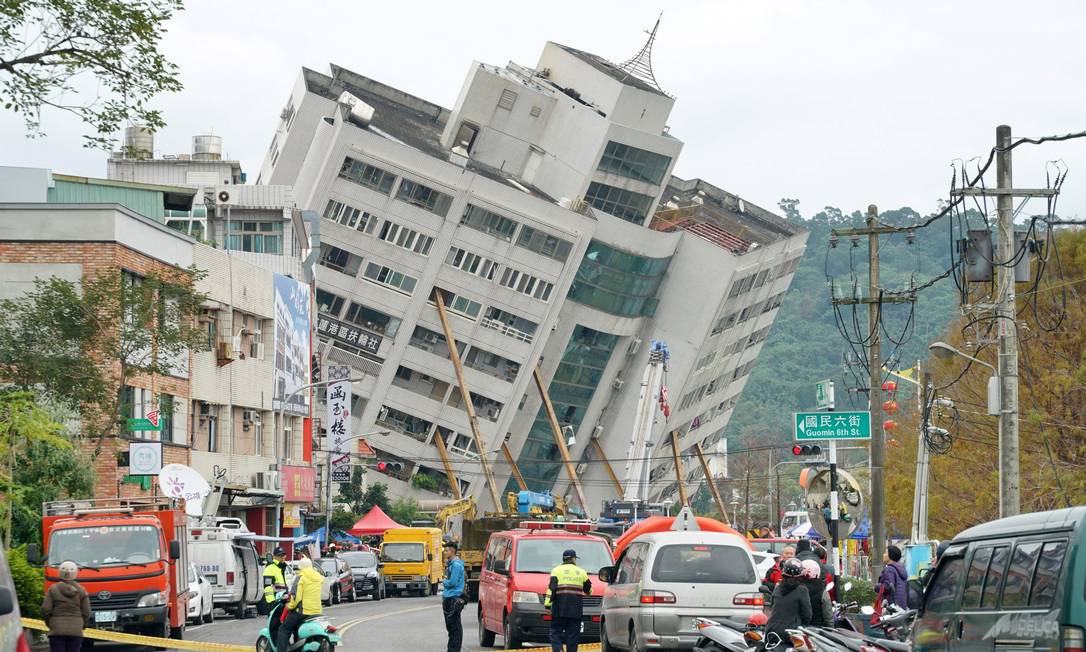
{"points": [[640, 64]]}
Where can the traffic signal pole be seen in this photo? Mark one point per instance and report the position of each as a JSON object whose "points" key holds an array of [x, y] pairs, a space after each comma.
{"points": [[834, 516]]}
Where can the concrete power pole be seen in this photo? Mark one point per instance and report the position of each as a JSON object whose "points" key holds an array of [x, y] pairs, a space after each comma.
{"points": [[1010, 502], [874, 361]]}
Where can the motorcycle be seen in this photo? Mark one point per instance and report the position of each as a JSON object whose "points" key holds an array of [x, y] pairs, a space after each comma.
{"points": [[896, 623], [314, 635]]}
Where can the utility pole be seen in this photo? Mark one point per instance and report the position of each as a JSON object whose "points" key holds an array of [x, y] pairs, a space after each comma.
{"points": [[1010, 502], [919, 532]]}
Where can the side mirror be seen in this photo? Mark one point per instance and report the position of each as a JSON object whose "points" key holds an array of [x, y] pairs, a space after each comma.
{"points": [[867, 610], [501, 567], [33, 554], [7, 601], [175, 549], [429, 556], [606, 574]]}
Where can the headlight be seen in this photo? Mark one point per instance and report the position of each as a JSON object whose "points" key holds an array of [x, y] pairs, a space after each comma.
{"points": [[372, 575], [526, 596], [152, 600], [421, 578]]}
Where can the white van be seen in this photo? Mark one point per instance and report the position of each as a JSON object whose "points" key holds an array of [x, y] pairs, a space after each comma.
{"points": [[229, 561]]}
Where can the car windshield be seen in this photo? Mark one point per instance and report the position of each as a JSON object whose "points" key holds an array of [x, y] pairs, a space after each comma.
{"points": [[330, 566], [105, 545], [360, 559], [403, 552], [541, 555], [701, 563]]}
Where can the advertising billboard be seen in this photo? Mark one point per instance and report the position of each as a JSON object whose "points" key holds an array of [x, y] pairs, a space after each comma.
{"points": [[292, 351]]}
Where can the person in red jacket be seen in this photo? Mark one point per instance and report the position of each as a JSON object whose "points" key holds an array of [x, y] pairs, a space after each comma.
{"points": [[773, 575]]}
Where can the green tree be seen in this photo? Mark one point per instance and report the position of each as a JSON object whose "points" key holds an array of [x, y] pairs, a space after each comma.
{"points": [[48, 48], [404, 510], [29, 582], [41, 463], [354, 492], [343, 520], [376, 496], [82, 344], [424, 481]]}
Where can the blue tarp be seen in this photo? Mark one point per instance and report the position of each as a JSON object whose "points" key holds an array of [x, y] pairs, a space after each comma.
{"points": [[317, 536], [804, 530], [863, 530]]}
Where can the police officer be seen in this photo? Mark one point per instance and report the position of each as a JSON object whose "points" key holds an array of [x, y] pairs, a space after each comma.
{"points": [[274, 580], [453, 595], [565, 601]]}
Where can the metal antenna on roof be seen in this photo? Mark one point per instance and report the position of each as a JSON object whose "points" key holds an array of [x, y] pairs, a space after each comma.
{"points": [[640, 64]]}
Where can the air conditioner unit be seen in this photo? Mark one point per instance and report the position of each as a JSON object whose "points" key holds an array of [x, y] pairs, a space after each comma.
{"points": [[250, 416], [226, 352], [597, 432], [205, 409], [266, 480], [258, 480], [617, 383], [224, 198], [635, 346]]}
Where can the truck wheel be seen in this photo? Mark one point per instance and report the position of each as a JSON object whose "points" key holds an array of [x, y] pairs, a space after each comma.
{"points": [[486, 637], [241, 609], [178, 633]]}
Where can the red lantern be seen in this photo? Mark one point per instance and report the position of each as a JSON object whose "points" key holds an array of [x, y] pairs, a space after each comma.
{"points": [[889, 407], [889, 425], [889, 386], [893, 442]]}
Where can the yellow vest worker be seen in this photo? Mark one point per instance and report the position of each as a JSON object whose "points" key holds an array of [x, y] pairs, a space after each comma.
{"points": [[274, 578], [565, 600]]}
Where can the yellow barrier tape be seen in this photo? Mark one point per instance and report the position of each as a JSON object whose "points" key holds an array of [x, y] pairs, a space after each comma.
{"points": [[150, 641]]}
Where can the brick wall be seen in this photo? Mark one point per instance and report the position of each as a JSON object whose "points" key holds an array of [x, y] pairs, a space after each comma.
{"points": [[97, 258]]}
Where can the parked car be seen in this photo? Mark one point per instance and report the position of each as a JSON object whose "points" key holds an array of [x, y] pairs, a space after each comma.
{"points": [[515, 575], [342, 578], [368, 578], [326, 585], [1013, 582], [664, 580], [201, 598], [12, 637]]}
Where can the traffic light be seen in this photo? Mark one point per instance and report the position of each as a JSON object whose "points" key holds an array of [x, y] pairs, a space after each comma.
{"points": [[389, 467], [806, 449]]}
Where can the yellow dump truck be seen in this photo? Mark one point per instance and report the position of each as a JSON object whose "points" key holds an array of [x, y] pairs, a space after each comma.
{"points": [[412, 560]]}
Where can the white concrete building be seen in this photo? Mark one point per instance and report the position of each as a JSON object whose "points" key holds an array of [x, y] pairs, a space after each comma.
{"points": [[544, 207]]}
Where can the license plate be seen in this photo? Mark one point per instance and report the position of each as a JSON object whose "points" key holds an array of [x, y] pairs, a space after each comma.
{"points": [[400, 585], [105, 616], [214, 579]]}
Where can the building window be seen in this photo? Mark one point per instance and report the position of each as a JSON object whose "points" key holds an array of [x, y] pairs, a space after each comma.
{"points": [[424, 197], [460, 304], [507, 100], [167, 408], [490, 223], [618, 282], [465, 136], [406, 238], [491, 363], [371, 319], [367, 175], [329, 303], [634, 163], [545, 244], [624, 204], [340, 260], [349, 216], [471, 263], [526, 284], [257, 237], [391, 278], [510, 324], [405, 423]]}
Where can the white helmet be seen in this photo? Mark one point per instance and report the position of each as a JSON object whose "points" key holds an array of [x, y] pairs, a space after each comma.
{"points": [[305, 563]]}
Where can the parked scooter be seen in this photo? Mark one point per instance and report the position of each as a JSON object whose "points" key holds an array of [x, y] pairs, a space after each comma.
{"points": [[314, 635]]}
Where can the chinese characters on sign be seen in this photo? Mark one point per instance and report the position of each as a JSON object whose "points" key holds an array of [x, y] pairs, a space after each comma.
{"points": [[348, 334], [339, 422], [298, 484], [832, 425]]}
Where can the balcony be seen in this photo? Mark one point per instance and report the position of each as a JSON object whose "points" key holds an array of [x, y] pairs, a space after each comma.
{"points": [[336, 355], [491, 364], [432, 342], [421, 384], [507, 330]]}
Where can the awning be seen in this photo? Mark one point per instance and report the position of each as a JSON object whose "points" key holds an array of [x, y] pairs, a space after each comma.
{"points": [[261, 537]]}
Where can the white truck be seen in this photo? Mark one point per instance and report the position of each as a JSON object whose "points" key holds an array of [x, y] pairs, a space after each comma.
{"points": [[226, 555]]}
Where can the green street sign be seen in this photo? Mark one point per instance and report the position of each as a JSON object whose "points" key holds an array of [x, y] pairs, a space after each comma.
{"points": [[138, 425], [824, 399], [832, 425]]}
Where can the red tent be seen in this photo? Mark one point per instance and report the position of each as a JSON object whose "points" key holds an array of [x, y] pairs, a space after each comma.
{"points": [[373, 524]]}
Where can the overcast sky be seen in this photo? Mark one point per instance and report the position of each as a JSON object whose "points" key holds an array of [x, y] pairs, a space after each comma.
{"points": [[833, 103]]}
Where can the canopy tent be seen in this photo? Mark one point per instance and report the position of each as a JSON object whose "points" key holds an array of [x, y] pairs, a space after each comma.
{"points": [[317, 536], [373, 524], [804, 530]]}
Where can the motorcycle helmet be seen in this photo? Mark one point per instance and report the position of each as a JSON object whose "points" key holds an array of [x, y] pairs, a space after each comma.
{"points": [[757, 619], [792, 568], [811, 569]]}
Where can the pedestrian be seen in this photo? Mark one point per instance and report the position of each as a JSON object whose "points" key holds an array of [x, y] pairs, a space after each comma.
{"points": [[814, 580], [274, 580], [893, 583], [791, 602], [773, 575], [565, 601], [830, 596], [66, 608], [303, 605], [452, 595]]}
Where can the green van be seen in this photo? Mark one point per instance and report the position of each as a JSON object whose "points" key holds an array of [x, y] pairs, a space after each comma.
{"points": [[1017, 583]]}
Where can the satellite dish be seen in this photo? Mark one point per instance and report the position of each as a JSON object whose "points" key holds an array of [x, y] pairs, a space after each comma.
{"points": [[184, 483]]}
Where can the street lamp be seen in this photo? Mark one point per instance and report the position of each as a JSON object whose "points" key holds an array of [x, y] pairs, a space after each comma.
{"points": [[944, 351], [328, 485]]}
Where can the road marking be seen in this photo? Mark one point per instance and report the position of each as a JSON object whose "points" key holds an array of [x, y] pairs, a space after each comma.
{"points": [[358, 621]]}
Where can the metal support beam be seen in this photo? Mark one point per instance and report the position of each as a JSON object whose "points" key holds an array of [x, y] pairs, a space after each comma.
{"points": [[465, 395], [712, 483], [678, 468], [513, 465], [607, 465], [449, 473], [557, 430]]}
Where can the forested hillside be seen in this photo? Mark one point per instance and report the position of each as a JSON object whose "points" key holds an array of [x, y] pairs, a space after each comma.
{"points": [[806, 345]]}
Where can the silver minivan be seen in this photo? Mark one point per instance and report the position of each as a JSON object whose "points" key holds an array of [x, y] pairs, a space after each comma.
{"points": [[664, 580]]}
